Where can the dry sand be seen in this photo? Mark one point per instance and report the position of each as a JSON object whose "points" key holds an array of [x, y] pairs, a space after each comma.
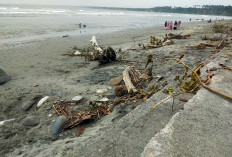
{"points": [[42, 63]]}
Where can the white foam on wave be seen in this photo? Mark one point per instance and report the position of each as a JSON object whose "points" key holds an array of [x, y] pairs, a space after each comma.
{"points": [[16, 10], [99, 13], [3, 8]]}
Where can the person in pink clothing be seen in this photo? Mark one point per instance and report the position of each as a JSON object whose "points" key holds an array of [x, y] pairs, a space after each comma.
{"points": [[178, 24]]}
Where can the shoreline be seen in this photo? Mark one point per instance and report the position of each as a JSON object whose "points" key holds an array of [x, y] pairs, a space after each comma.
{"points": [[75, 34], [40, 68]]}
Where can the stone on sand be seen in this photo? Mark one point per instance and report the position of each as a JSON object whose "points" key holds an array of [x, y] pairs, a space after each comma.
{"points": [[59, 125], [116, 81], [4, 77], [31, 121]]}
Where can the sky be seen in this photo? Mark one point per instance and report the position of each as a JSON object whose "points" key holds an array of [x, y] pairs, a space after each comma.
{"points": [[121, 3]]}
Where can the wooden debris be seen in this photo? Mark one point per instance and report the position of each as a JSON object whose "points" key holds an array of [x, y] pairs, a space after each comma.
{"points": [[79, 116], [94, 43], [177, 36], [211, 39], [132, 79], [121, 91], [226, 67], [221, 44]]}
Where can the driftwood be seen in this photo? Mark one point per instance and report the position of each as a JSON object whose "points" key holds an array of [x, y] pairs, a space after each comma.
{"points": [[221, 44], [77, 117], [94, 43], [177, 36], [132, 79], [211, 39]]}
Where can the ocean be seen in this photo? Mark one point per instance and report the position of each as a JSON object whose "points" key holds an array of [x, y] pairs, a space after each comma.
{"points": [[28, 22]]}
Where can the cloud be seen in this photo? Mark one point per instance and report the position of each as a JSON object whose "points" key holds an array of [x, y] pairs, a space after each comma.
{"points": [[121, 3]]}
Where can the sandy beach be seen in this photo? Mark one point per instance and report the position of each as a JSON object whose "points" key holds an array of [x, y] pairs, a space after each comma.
{"points": [[40, 68]]}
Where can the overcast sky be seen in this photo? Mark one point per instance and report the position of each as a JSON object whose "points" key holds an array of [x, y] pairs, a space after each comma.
{"points": [[122, 3]]}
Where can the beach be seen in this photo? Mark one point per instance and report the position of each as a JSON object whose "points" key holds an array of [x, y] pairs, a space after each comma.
{"points": [[39, 67]]}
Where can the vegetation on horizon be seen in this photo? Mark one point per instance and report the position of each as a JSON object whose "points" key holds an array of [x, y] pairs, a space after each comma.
{"points": [[204, 10]]}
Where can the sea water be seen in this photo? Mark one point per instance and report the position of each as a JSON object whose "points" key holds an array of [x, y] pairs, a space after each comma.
{"points": [[20, 22]]}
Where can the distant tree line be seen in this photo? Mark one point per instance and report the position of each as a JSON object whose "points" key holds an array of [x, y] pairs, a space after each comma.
{"points": [[205, 9]]}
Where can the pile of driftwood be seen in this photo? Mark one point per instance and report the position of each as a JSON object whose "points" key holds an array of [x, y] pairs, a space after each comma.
{"points": [[218, 45], [102, 55], [211, 38], [177, 36], [77, 117]]}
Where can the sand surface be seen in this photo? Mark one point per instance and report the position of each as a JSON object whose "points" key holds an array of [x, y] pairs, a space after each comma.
{"points": [[39, 67]]}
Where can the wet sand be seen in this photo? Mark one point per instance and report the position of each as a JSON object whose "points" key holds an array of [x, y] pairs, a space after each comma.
{"points": [[39, 68]]}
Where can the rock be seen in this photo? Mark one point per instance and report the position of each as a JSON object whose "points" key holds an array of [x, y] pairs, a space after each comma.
{"points": [[77, 98], [104, 99], [115, 81], [29, 103], [6, 121], [59, 125], [31, 121], [102, 91], [4, 77], [40, 103]]}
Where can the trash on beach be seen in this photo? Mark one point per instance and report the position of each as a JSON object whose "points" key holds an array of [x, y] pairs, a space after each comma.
{"points": [[183, 100], [40, 103], [80, 131]]}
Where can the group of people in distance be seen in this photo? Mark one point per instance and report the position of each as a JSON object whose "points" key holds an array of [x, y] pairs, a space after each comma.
{"points": [[169, 25]]}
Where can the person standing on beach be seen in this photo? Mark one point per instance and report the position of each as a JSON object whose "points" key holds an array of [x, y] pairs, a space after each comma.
{"points": [[171, 24], [168, 25], [165, 24], [175, 25], [178, 24]]}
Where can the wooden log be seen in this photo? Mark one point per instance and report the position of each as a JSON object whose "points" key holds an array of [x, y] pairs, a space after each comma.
{"points": [[94, 43], [128, 73]]}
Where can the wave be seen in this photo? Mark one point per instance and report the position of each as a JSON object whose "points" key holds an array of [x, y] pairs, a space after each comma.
{"points": [[99, 13], [30, 11], [3, 8]]}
